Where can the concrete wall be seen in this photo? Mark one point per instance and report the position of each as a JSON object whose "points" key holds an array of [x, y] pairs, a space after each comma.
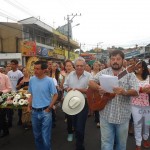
{"points": [[9, 35]]}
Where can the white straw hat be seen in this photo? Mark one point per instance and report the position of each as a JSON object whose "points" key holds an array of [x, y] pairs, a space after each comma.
{"points": [[73, 102]]}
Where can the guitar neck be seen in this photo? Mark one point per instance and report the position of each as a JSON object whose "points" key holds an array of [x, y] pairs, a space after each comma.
{"points": [[122, 74]]}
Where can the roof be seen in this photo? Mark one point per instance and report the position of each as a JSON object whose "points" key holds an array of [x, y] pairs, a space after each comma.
{"points": [[33, 20]]}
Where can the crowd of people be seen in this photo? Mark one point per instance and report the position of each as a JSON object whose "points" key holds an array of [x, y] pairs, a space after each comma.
{"points": [[52, 81]]}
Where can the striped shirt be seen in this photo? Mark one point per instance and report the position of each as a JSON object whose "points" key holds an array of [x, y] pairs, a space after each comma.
{"points": [[118, 110]]}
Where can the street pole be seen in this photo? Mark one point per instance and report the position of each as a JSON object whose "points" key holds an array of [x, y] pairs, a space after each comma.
{"points": [[68, 36], [97, 53], [97, 50], [69, 21]]}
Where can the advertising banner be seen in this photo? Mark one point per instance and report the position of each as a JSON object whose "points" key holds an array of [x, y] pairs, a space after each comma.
{"points": [[28, 48]]}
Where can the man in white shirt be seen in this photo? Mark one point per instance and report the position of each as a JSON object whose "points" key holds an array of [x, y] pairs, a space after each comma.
{"points": [[14, 75]]}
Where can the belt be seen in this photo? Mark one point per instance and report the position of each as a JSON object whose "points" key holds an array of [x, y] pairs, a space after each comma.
{"points": [[39, 109]]}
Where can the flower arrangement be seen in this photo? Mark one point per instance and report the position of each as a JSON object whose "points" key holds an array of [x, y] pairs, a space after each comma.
{"points": [[14, 99]]}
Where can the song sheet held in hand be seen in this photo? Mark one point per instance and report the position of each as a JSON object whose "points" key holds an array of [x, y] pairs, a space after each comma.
{"points": [[108, 82]]}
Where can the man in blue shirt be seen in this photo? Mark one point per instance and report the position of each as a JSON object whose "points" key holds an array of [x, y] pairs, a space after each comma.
{"points": [[43, 96]]}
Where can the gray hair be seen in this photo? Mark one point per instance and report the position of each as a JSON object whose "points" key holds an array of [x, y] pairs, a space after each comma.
{"points": [[79, 59]]}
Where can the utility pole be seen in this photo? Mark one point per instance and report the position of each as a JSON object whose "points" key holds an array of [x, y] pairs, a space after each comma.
{"points": [[97, 50], [69, 21], [81, 47]]}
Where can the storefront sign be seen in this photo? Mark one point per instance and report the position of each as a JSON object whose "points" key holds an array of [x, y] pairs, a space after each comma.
{"points": [[28, 48], [60, 57], [42, 51]]}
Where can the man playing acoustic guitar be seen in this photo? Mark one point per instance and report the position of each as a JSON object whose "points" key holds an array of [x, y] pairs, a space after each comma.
{"points": [[114, 118]]}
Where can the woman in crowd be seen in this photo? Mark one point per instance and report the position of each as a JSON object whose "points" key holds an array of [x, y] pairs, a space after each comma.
{"points": [[103, 66], [69, 68], [8, 68], [139, 104], [88, 68], [23, 83], [96, 69], [55, 73]]}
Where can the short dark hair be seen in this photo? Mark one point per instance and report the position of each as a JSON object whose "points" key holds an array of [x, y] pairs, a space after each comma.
{"points": [[42, 63], [116, 52], [14, 61]]}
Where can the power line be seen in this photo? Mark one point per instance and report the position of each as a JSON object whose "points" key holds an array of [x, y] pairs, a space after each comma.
{"points": [[7, 16], [25, 8], [21, 7]]}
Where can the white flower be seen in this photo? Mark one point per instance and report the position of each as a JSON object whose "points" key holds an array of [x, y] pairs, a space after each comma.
{"points": [[15, 101], [18, 96], [21, 102], [26, 102], [1, 100], [27, 95]]}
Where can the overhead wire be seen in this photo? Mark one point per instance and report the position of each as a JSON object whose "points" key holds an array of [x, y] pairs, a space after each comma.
{"points": [[25, 8], [18, 6], [9, 15]]}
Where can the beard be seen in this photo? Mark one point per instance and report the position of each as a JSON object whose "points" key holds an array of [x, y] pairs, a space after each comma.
{"points": [[116, 66]]}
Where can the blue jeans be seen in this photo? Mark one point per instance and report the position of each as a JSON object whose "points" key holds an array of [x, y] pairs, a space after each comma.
{"points": [[42, 129], [113, 132]]}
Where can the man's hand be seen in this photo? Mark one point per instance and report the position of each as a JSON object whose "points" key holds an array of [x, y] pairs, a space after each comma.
{"points": [[69, 89], [48, 109], [101, 90], [130, 68], [119, 91], [146, 90]]}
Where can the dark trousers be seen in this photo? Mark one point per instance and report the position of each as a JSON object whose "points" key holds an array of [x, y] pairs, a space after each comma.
{"points": [[3, 122], [19, 115], [96, 113], [79, 122], [9, 114], [69, 124], [53, 118]]}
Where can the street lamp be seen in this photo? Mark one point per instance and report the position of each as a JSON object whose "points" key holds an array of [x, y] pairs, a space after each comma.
{"points": [[76, 25]]}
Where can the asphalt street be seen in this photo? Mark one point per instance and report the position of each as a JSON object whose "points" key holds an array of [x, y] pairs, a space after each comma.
{"points": [[21, 139]]}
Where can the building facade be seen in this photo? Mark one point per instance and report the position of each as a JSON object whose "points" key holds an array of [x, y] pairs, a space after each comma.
{"points": [[33, 38]]}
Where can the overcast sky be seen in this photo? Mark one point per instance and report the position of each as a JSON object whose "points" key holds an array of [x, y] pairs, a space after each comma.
{"points": [[114, 22]]}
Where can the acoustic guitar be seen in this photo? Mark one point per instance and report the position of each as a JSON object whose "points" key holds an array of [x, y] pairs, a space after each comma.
{"points": [[98, 102]]}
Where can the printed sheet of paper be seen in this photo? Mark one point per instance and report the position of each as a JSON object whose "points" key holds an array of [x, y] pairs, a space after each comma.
{"points": [[108, 82]]}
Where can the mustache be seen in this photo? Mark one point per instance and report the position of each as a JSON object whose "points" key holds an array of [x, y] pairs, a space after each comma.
{"points": [[115, 64]]}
